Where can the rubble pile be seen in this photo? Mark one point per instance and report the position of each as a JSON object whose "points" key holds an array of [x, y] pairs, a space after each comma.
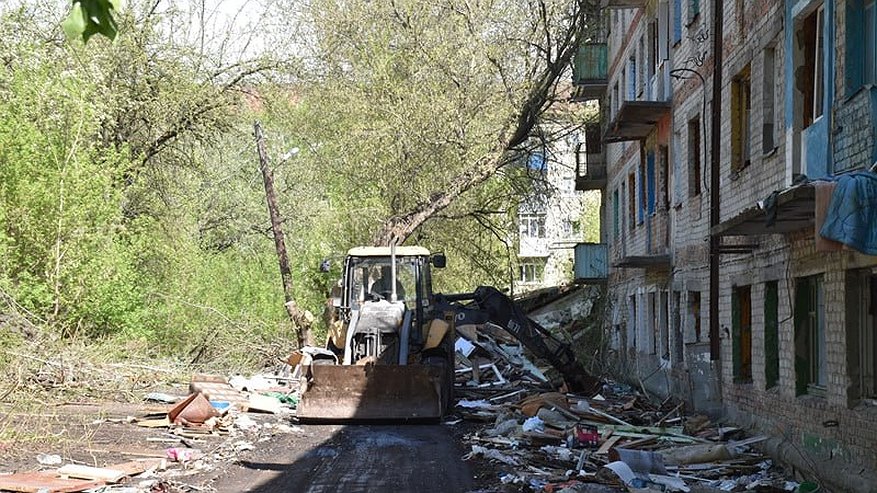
{"points": [[617, 440], [214, 424]]}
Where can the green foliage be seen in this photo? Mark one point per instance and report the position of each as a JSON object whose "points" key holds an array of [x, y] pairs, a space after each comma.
{"points": [[132, 212]]}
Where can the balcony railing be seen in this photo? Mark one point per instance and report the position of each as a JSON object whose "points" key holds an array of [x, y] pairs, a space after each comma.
{"points": [[590, 71], [591, 161], [591, 262]]}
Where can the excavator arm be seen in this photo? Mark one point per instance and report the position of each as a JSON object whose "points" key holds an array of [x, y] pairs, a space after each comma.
{"points": [[488, 304]]}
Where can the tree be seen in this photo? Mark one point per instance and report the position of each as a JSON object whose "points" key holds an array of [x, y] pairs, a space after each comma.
{"points": [[427, 101]]}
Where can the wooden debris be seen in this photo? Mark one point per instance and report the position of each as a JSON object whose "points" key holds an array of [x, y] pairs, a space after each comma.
{"points": [[45, 482]]}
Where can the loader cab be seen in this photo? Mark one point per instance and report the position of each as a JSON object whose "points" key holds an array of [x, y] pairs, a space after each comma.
{"points": [[385, 303]]}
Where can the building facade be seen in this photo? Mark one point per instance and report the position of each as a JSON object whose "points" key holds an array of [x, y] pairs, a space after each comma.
{"points": [[794, 352], [550, 219]]}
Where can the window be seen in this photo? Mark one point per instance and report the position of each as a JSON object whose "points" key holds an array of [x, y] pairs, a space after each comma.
{"points": [[641, 178], [741, 95], [663, 324], [571, 228], [694, 314], [861, 44], [631, 197], [809, 315], [768, 81], [771, 335], [677, 21], [650, 182], [677, 326], [532, 225], [870, 48], [741, 322], [531, 270], [615, 216], [861, 325], [652, 321], [632, 322], [641, 84], [536, 162], [693, 10], [664, 169], [616, 103], [694, 162], [810, 77], [631, 79]]}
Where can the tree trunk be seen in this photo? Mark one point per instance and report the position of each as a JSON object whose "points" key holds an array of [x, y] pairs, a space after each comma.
{"points": [[398, 228], [299, 318]]}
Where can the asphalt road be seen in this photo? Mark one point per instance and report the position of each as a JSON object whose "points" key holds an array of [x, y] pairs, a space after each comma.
{"points": [[393, 458]]}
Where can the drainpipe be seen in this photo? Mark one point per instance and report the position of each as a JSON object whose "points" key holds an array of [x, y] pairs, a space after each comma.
{"points": [[715, 173]]}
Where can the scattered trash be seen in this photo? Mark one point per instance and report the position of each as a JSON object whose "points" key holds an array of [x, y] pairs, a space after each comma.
{"points": [[49, 459], [543, 438], [162, 397], [180, 454]]}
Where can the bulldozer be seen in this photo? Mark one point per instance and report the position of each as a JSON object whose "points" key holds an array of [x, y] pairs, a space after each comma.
{"points": [[390, 349]]}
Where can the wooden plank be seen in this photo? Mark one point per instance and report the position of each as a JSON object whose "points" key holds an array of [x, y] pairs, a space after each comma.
{"points": [[87, 472], [134, 467], [135, 452], [45, 482], [608, 444]]}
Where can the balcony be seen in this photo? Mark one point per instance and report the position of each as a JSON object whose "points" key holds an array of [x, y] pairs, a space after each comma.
{"points": [[793, 210], [591, 262], [635, 120], [648, 244], [623, 4], [590, 72], [590, 161]]}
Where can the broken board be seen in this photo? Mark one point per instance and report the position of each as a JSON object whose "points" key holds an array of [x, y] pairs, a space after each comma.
{"points": [[45, 482]]}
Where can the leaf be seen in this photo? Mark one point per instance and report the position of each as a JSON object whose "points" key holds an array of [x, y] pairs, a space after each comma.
{"points": [[74, 24], [90, 17]]}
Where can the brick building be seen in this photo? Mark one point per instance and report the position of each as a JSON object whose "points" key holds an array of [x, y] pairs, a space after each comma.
{"points": [[794, 353]]}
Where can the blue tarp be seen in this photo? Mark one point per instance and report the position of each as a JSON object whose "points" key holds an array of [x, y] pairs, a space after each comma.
{"points": [[852, 214]]}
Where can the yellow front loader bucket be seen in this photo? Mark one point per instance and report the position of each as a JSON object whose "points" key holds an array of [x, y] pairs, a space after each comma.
{"points": [[372, 392]]}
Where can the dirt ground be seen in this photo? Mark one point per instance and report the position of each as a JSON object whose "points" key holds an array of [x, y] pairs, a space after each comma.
{"points": [[278, 455]]}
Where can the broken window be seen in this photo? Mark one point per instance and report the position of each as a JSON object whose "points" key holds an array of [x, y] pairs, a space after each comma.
{"points": [[677, 326], [809, 317], [694, 313], [771, 335], [663, 325], [741, 95], [694, 162], [693, 10], [768, 80], [861, 324], [531, 270], [631, 79], [810, 76], [741, 324], [633, 322], [615, 214], [861, 44]]}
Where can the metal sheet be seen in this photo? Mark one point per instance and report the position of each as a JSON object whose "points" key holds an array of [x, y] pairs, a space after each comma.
{"points": [[372, 392]]}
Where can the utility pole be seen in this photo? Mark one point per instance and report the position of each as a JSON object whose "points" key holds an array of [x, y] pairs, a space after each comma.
{"points": [[715, 175], [299, 318]]}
